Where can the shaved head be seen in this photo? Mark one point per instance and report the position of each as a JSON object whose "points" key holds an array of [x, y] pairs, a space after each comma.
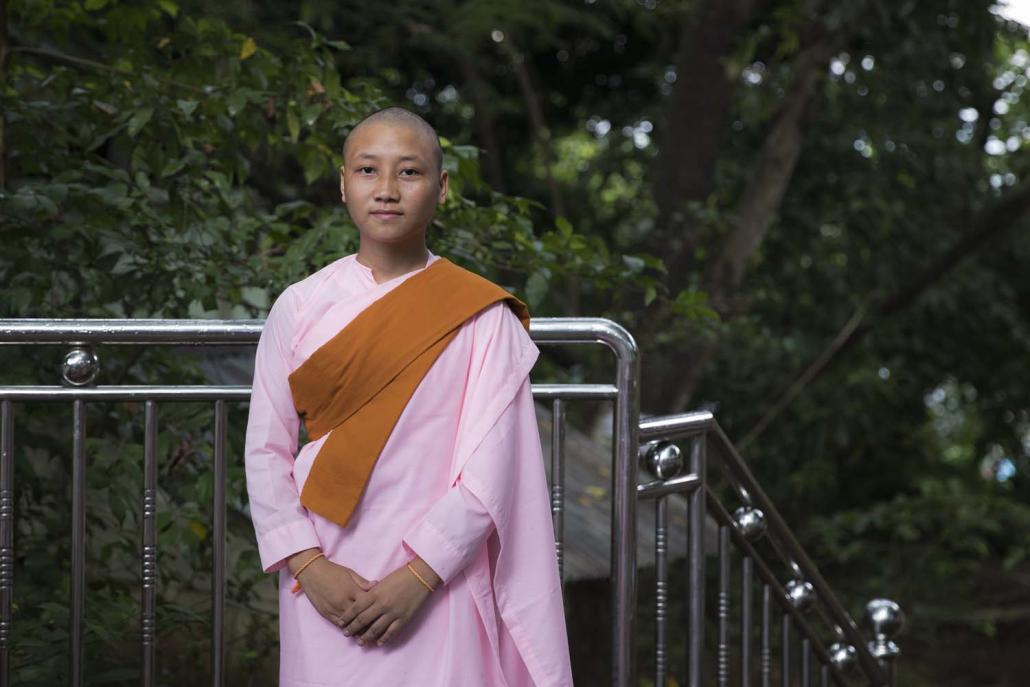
{"points": [[398, 116]]}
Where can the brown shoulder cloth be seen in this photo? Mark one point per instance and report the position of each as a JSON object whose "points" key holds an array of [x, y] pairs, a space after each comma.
{"points": [[356, 385]]}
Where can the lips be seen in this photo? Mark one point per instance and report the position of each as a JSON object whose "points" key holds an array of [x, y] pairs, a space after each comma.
{"points": [[386, 213]]}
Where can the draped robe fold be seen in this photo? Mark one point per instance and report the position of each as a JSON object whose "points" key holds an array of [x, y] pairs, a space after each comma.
{"points": [[356, 385], [470, 419]]}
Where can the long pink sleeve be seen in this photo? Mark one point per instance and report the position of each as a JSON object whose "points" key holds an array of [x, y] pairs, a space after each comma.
{"points": [[449, 535], [280, 521]]}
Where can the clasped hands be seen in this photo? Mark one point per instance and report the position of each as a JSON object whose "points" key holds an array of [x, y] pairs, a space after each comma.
{"points": [[369, 611]]}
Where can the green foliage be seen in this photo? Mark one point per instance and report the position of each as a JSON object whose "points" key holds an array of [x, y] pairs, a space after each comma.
{"points": [[195, 166]]}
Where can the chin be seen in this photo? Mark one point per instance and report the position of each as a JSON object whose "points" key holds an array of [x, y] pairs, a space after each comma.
{"points": [[391, 237]]}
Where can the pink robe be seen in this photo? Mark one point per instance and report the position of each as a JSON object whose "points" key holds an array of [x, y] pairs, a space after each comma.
{"points": [[460, 483]]}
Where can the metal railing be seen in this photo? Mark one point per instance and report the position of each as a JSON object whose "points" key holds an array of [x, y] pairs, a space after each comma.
{"points": [[806, 593], [78, 386]]}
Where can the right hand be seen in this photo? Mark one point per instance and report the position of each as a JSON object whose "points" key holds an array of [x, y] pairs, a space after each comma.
{"points": [[332, 588]]}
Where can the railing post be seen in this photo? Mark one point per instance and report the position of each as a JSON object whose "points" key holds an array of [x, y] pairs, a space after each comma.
{"points": [[624, 510], [148, 593], [696, 565], [6, 536]]}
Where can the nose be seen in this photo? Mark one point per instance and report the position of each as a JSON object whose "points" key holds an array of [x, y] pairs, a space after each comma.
{"points": [[386, 191]]}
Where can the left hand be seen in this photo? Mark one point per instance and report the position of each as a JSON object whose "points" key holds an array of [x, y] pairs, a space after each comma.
{"points": [[384, 609]]}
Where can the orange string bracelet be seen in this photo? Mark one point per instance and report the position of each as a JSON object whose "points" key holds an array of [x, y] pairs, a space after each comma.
{"points": [[420, 578], [296, 583]]}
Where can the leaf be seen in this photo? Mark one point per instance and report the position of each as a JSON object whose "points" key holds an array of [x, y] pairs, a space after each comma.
{"points": [[198, 529], [174, 165], [93, 5], [248, 49], [649, 295], [187, 106], [106, 108], [139, 120], [293, 124], [169, 7], [311, 113], [536, 288], [564, 226], [634, 263], [236, 101]]}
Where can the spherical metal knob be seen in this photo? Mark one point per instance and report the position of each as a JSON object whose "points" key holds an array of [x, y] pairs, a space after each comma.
{"points": [[663, 459], [842, 656], [751, 522], [884, 617], [80, 366], [801, 595]]}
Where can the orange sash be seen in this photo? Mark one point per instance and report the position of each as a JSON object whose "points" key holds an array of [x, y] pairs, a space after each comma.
{"points": [[356, 385]]}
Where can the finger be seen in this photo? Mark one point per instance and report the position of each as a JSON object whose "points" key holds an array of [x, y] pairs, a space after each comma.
{"points": [[375, 629], [359, 605], [394, 628], [360, 581], [362, 621]]}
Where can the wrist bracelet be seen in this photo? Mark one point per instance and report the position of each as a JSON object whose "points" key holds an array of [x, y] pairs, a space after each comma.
{"points": [[296, 583], [420, 578]]}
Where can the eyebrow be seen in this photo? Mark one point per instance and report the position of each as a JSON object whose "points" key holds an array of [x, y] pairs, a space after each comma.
{"points": [[402, 158]]}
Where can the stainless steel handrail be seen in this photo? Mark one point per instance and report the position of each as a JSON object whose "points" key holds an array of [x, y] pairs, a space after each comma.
{"points": [[700, 425], [88, 333], [731, 458]]}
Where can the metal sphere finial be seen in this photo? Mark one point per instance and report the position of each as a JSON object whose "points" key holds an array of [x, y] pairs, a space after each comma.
{"points": [[751, 522], [843, 656], [801, 595], [663, 459], [884, 617], [80, 366]]}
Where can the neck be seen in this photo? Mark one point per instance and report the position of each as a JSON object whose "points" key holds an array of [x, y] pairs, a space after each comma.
{"points": [[390, 260]]}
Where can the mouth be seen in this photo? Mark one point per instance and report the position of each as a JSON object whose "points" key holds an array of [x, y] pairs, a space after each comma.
{"points": [[386, 213]]}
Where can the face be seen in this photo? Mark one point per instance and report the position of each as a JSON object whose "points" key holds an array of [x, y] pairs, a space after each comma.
{"points": [[389, 182]]}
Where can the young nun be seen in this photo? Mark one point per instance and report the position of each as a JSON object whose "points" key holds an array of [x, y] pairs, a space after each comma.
{"points": [[412, 533]]}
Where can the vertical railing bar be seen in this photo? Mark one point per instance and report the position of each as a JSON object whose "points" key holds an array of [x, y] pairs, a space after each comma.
{"points": [[6, 536], [766, 655], [558, 483], [779, 534], [722, 663], [806, 662], [696, 566], [720, 515], [824, 675], [218, 556], [78, 579], [625, 451], [148, 619], [746, 593], [785, 649], [661, 565]]}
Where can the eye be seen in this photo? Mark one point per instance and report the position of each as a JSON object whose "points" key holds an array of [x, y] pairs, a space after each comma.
{"points": [[413, 172], [366, 170]]}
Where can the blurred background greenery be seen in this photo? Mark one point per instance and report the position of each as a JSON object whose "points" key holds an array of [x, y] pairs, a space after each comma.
{"points": [[810, 214]]}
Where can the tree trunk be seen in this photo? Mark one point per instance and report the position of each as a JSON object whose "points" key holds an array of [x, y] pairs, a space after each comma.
{"points": [[493, 166], [754, 215]]}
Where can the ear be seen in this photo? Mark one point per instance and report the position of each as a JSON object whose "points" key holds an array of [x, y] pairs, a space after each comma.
{"points": [[343, 184], [443, 187]]}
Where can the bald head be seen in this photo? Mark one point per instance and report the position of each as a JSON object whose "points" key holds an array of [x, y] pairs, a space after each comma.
{"points": [[398, 116]]}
